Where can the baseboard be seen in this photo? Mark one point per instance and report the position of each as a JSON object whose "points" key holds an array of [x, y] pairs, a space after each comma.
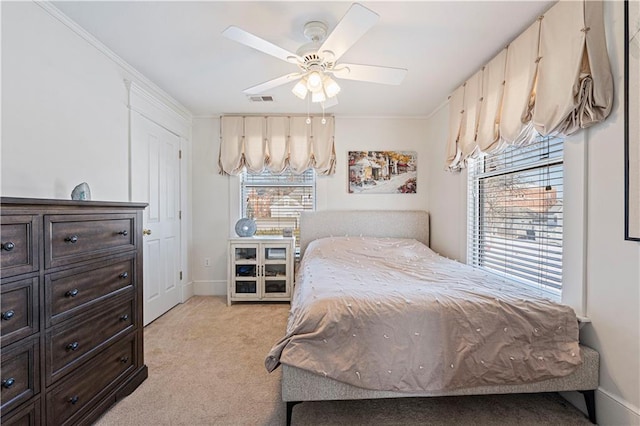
{"points": [[614, 410], [610, 409], [209, 288], [188, 290]]}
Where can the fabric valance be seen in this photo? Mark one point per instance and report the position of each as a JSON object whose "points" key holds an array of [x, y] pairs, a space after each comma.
{"points": [[555, 78], [276, 144]]}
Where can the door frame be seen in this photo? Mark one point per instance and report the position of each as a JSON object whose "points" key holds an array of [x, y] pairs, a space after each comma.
{"points": [[168, 114]]}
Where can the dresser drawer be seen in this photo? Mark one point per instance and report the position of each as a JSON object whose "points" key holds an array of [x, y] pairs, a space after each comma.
{"points": [[85, 386], [19, 316], [20, 373], [19, 246], [27, 415], [75, 290], [68, 346], [75, 238]]}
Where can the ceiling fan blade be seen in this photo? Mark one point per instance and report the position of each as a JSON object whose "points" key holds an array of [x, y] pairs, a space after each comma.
{"points": [[357, 21], [267, 85], [370, 73], [241, 36]]}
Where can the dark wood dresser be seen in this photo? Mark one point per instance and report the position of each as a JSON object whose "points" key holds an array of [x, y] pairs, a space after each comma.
{"points": [[71, 320]]}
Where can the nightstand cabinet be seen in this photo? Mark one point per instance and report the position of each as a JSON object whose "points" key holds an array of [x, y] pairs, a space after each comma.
{"points": [[260, 269], [71, 321]]}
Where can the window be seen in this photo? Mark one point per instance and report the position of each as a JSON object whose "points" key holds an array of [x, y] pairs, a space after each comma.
{"points": [[515, 213], [275, 201]]}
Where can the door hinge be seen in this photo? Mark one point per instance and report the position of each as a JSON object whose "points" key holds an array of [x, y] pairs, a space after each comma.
{"points": [[180, 214], [180, 154], [180, 275]]}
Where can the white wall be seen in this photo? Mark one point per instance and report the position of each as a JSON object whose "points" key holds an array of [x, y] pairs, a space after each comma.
{"points": [[213, 216], [64, 111], [64, 108], [374, 134], [447, 197], [210, 210], [612, 271]]}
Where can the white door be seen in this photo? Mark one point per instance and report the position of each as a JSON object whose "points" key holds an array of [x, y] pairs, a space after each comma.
{"points": [[155, 179]]}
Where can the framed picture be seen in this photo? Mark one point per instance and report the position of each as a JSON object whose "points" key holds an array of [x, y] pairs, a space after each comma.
{"points": [[632, 119], [383, 172]]}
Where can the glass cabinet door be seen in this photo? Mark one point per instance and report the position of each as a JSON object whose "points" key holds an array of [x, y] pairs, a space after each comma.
{"points": [[246, 254], [246, 271], [275, 272]]}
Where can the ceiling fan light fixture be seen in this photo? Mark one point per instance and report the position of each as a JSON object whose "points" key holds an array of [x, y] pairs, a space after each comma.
{"points": [[318, 96], [300, 89], [331, 88], [314, 81]]}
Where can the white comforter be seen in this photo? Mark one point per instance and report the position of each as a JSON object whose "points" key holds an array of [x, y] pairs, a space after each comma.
{"points": [[390, 314]]}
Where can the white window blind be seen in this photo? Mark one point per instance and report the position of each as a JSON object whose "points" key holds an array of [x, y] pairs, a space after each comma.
{"points": [[515, 213], [275, 201]]}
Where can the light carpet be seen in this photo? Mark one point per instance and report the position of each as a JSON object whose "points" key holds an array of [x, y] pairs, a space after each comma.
{"points": [[206, 367]]}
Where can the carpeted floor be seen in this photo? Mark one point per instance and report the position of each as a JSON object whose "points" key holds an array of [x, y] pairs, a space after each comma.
{"points": [[206, 367]]}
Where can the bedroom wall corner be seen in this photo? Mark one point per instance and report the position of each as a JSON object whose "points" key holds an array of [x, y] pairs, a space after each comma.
{"points": [[210, 210], [447, 200]]}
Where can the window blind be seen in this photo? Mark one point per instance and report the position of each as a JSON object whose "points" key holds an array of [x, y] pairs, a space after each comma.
{"points": [[275, 201], [515, 213]]}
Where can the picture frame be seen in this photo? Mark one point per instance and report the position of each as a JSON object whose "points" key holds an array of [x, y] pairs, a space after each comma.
{"points": [[382, 172], [632, 119]]}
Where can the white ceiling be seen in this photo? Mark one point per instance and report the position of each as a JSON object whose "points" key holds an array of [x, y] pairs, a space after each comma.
{"points": [[178, 45]]}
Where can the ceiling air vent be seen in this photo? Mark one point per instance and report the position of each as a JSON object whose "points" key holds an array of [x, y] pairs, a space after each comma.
{"points": [[259, 98]]}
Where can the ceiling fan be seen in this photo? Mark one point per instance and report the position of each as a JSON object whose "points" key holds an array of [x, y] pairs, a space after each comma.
{"points": [[317, 60]]}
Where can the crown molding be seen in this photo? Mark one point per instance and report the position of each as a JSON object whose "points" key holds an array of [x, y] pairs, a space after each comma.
{"points": [[337, 116], [145, 103], [134, 74]]}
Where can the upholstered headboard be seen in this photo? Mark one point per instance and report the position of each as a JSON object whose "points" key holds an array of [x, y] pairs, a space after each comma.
{"points": [[369, 223]]}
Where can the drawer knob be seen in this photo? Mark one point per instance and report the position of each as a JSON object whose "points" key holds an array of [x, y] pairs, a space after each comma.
{"points": [[124, 275], [7, 383], [73, 346], [124, 317], [72, 239], [72, 293], [74, 399], [125, 233], [8, 246], [124, 359], [8, 315]]}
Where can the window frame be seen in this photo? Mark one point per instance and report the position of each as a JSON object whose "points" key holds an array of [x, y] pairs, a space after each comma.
{"points": [[312, 185], [477, 172]]}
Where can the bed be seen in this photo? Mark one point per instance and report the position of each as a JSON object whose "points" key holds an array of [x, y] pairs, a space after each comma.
{"points": [[377, 314]]}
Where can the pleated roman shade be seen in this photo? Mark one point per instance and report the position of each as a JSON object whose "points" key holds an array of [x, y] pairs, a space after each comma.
{"points": [[276, 144], [555, 78]]}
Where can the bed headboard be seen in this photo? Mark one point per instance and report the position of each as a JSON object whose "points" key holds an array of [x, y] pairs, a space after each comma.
{"points": [[369, 223]]}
